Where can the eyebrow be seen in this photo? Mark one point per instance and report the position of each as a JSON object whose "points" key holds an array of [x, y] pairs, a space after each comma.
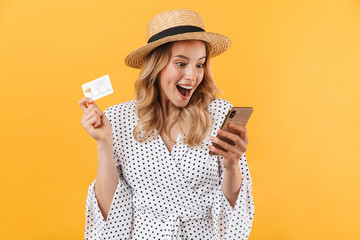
{"points": [[182, 56]]}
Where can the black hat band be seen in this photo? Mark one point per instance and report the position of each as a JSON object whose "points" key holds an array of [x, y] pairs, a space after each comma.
{"points": [[174, 31]]}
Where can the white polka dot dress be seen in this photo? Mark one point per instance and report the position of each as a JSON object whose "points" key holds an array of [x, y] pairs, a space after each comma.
{"points": [[169, 195]]}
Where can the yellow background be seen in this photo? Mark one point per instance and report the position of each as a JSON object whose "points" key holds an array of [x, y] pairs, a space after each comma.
{"points": [[295, 62]]}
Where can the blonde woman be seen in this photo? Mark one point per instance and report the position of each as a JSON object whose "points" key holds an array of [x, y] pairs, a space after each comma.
{"points": [[155, 177]]}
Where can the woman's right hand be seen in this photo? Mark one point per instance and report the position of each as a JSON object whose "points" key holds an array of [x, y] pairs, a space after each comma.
{"points": [[94, 121]]}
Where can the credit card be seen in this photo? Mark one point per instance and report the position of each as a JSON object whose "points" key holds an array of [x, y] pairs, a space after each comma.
{"points": [[98, 88]]}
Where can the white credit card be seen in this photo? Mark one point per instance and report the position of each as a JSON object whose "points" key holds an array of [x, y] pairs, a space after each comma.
{"points": [[98, 88]]}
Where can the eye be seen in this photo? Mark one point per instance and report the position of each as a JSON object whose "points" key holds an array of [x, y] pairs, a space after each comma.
{"points": [[200, 65], [181, 64]]}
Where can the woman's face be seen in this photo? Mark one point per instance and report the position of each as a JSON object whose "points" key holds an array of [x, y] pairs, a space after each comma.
{"points": [[184, 72]]}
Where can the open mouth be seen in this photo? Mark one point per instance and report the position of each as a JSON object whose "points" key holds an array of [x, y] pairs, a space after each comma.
{"points": [[184, 90]]}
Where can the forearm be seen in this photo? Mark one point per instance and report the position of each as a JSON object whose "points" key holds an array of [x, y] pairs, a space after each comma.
{"points": [[231, 184], [106, 178]]}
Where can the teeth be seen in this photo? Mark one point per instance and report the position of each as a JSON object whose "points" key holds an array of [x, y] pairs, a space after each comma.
{"points": [[186, 87]]}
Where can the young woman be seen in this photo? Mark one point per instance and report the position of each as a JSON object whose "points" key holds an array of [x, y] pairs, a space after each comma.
{"points": [[156, 178]]}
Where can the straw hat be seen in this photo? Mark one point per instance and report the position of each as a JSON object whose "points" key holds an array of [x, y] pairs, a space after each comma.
{"points": [[175, 25]]}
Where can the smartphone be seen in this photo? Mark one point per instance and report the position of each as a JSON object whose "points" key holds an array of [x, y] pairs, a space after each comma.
{"points": [[239, 115]]}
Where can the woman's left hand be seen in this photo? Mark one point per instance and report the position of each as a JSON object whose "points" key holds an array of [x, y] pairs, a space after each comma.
{"points": [[234, 152]]}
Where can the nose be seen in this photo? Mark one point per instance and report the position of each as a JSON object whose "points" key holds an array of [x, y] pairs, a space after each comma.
{"points": [[190, 73]]}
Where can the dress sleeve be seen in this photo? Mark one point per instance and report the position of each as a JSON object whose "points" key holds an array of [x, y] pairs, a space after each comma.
{"points": [[119, 220], [234, 223]]}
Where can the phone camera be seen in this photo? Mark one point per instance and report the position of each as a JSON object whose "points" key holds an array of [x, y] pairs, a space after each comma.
{"points": [[232, 114]]}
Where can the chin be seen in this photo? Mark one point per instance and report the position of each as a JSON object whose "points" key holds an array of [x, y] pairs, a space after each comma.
{"points": [[182, 103]]}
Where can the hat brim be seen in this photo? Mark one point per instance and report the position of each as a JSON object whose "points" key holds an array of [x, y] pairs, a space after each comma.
{"points": [[218, 44]]}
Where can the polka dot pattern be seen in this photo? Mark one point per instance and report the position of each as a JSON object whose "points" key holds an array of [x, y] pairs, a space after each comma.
{"points": [[169, 195]]}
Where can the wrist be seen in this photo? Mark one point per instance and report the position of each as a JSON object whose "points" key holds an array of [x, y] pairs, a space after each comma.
{"points": [[102, 143], [233, 168]]}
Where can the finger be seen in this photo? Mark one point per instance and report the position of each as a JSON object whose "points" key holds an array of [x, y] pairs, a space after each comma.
{"points": [[231, 136], [238, 127], [221, 143], [83, 101], [91, 114], [246, 140], [94, 107], [236, 150], [220, 152], [240, 144], [92, 122], [97, 124], [89, 123]]}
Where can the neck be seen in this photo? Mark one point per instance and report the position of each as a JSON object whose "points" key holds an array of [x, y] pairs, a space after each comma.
{"points": [[167, 108]]}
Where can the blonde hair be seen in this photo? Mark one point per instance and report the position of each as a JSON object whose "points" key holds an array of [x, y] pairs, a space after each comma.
{"points": [[194, 119]]}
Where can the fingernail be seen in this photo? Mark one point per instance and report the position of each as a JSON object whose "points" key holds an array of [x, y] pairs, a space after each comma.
{"points": [[211, 138]]}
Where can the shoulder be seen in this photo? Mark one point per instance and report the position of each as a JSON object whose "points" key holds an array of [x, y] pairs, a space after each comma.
{"points": [[121, 112], [219, 107], [218, 110], [120, 108]]}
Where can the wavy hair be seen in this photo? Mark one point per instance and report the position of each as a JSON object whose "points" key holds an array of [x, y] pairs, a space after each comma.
{"points": [[194, 119]]}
